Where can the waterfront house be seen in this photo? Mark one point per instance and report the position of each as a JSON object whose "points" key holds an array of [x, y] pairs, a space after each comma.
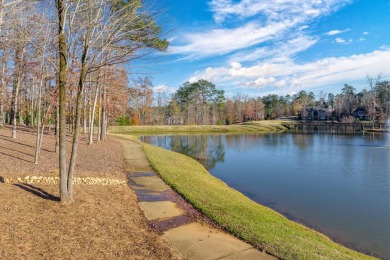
{"points": [[316, 113], [360, 113]]}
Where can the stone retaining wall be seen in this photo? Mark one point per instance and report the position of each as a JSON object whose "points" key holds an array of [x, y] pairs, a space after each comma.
{"points": [[56, 180]]}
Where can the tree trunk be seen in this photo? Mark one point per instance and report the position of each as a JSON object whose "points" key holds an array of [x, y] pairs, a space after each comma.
{"points": [[72, 114], [38, 121], [85, 112], [21, 122], [3, 70], [104, 109], [2, 82], [39, 135], [89, 105], [92, 119], [45, 120], [57, 127], [32, 104], [99, 116], [64, 192], [16, 85], [76, 132]]}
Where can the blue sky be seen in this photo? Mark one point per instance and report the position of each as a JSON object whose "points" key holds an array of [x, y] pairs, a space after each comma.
{"points": [[261, 47]]}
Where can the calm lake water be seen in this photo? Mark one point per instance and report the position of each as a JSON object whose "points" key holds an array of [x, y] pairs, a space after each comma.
{"points": [[336, 184]]}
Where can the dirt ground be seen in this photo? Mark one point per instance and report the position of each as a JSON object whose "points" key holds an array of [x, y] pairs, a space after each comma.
{"points": [[104, 222], [17, 155]]}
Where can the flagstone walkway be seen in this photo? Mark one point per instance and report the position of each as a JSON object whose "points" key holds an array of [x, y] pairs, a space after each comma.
{"points": [[174, 219]]}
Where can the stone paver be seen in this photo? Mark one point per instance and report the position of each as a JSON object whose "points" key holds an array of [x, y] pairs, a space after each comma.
{"points": [[152, 183], [194, 241], [160, 210], [135, 157]]}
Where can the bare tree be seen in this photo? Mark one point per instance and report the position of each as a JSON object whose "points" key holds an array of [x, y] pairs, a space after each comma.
{"points": [[141, 99], [369, 98], [17, 27], [17, 77], [115, 27]]}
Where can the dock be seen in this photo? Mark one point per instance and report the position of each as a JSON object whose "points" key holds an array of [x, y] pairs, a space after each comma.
{"points": [[334, 127]]}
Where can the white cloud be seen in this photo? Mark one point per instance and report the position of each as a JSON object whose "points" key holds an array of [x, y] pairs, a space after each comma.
{"points": [[342, 41], [275, 20], [222, 41], [259, 82], [366, 33], [273, 10], [335, 32], [303, 27], [164, 89], [281, 51], [290, 75], [172, 39]]}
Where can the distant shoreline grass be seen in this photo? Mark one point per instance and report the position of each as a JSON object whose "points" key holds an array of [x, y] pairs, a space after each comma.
{"points": [[255, 126], [257, 224], [379, 130]]}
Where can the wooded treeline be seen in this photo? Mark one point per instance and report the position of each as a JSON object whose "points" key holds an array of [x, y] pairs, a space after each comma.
{"points": [[29, 59], [63, 64], [202, 103]]}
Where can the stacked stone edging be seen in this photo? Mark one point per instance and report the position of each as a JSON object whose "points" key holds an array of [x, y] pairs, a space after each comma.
{"points": [[56, 180]]}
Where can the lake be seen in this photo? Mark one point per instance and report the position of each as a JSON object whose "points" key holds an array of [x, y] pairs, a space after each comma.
{"points": [[336, 184]]}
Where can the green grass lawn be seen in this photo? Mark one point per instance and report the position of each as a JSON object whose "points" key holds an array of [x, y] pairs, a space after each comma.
{"points": [[259, 225], [256, 126]]}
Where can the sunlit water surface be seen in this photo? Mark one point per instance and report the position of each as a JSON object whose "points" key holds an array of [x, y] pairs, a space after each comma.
{"points": [[336, 184]]}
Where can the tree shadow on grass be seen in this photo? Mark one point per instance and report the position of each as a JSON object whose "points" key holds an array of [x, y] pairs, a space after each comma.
{"points": [[37, 192]]}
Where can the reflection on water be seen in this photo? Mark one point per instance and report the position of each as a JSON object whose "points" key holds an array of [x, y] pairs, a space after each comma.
{"points": [[337, 184], [208, 150]]}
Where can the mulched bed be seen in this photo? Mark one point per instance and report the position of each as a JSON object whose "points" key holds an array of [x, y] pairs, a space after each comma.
{"points": [[17, 155], [104, 222]]}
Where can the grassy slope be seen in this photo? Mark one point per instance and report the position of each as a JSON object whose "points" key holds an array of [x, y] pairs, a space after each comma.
{"points": [[259, 126], [254, 223]]}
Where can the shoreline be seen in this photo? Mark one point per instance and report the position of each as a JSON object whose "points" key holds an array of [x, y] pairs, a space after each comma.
{"points": [[249, 127], [377, 130], [164, 174]]}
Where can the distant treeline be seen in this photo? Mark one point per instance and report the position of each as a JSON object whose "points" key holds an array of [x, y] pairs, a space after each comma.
{"points": [[202, 103], [119, 101]]}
